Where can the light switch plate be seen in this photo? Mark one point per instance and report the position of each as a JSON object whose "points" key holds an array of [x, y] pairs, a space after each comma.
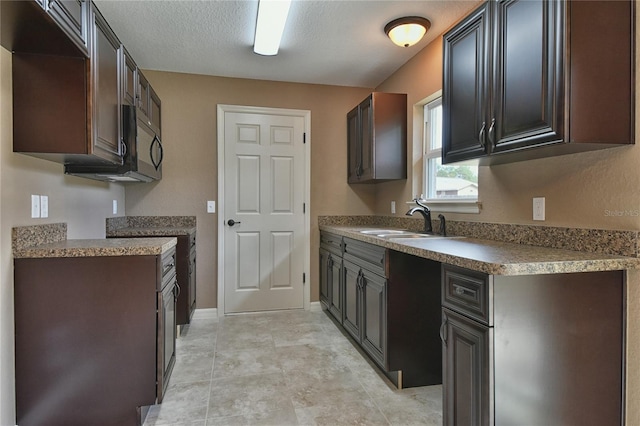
{"points": [[44, 206], [211, 206], [393, 207], [538, 208], [35, 206], [114, 208]]}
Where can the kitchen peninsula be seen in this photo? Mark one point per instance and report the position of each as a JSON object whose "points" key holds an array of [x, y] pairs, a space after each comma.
{"points": [[95, 326]]}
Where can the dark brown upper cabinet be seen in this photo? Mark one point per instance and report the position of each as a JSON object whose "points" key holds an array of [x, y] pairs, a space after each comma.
{"points": [[528, 79], [129, 78], [52, 27], [377, 139], [106, 99], [66, 108], [73, 17]]}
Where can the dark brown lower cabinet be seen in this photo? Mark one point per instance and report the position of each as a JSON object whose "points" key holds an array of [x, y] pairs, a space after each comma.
{"points": [[467, 370], [534, 349], [185, 266], [94, 338], [391, 308]]}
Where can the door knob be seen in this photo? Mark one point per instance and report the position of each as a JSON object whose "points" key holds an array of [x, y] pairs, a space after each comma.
{"points": [[231, 222]]}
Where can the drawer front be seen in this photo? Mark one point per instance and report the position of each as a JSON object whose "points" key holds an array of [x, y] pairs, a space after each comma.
{"points": [[374, 257], [331, 242], [467, 292]]}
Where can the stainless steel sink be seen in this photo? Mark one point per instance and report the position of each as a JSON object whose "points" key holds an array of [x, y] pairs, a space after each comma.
{"points": [[400, 234], [385, 231]]}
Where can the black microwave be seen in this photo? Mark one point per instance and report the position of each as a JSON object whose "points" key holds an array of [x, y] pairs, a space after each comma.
{"points": [[143, 157]]}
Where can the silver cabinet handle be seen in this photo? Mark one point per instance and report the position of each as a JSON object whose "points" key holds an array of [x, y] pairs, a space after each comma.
{"points": [[491, 131], [481, 135], [443, 329]]}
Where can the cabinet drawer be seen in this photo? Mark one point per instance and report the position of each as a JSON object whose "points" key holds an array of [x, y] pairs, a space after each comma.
{"points": [[374, 257], [467, 292], [331, 242]]}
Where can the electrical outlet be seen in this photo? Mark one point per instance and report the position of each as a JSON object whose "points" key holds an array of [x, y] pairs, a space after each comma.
{"points": [[538, 208], [114, 207], [44, 206], [35, 206], [211, 206], [393, 207]]}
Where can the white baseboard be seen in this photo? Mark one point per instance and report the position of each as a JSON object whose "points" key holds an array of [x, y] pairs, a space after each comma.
{"points": [[206, 313], [315, 307]]}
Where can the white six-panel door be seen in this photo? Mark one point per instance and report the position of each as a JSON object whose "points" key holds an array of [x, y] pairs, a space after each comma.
{"points": [[264, 188]]}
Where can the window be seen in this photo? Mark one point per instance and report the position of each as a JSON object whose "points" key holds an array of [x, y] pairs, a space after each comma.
{"points": [[457, 182]]}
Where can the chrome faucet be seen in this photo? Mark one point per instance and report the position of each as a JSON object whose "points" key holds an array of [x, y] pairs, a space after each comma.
{"points": [[425, 212]]}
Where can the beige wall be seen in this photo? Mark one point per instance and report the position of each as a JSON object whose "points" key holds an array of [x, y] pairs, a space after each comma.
{"points": [[189, 135], [82, 203]]}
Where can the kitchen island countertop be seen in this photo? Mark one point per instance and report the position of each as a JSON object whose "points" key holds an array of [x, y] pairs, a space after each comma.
{"points": [[493, 257]]}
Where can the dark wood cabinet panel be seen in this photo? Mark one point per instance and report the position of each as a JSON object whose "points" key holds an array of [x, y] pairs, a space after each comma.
{"points": [[466, 80], [106, 100], [92, 329], [542, 333], [559, 79], [528, 75], [73, 17], [324, 277], [374, 316], [353, 154], [377, 139], [335, 290], [467, 371], [351, 274], [129, 75], [155, 108], [143, 93]]}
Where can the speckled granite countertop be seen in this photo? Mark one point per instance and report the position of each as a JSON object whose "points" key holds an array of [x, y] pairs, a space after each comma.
{"points": [[152, 231], [494, 257], [150, 226], [99, 247], [50, 240]]}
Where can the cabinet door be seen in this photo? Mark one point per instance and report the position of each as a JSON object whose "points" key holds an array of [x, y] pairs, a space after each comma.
{"points": [[527, 72], [374, 321], [324, 277], [154, 111], [105, 70], [468, 369], [366, 139], [335, 283], [351, 275], [465, 87], [192, 283], [353, 146], [128, 75], [143, 93], [72, 16]]}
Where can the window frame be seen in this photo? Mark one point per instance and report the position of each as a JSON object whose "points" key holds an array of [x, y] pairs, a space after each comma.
{"points": [[456, 205]]}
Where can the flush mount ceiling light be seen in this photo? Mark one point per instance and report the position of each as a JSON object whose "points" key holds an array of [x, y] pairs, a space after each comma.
{"points": [[407, 31], [272, 16]]}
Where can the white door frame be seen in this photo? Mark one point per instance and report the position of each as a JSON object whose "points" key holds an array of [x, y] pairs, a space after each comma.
{"points": [[306, 114]]}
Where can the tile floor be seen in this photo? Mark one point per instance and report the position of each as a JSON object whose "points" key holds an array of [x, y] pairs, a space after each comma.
{"points": [[283, 368]]}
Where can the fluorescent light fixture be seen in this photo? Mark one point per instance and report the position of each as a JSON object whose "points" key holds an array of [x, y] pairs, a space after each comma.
{"points": [[272, 16]]}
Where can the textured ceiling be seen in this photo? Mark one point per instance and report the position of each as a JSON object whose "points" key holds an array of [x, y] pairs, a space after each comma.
{"points": [[325, 41]]}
